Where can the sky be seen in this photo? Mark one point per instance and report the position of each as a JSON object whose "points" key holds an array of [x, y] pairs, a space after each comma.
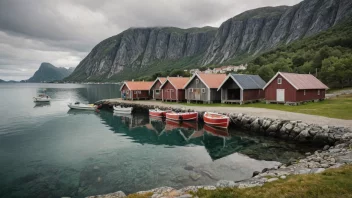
{"points": [[63, 32]]}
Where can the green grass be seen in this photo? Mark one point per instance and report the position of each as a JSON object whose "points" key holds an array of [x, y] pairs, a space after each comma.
{"points": [[340, 107], [329, 184]]}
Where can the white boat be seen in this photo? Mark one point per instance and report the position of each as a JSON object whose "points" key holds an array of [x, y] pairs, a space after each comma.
{"points": [[42, 98], [124, 110], [80, 106]]}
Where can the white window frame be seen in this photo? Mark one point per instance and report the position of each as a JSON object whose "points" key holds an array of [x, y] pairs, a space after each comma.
{"points": [[157, 91], [304, 92], [279, 81], [318, 92], [203, 90], [190, 90], [127, 92]]}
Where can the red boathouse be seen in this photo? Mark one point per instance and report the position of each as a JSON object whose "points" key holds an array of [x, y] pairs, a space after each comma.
{"points": [[155, 91], [294, 88], [135, 90], [172, 89]]}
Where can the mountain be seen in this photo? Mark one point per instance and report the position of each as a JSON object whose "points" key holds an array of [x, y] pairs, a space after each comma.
{"points": [[143, 51], [48, 72], [2, 81]]}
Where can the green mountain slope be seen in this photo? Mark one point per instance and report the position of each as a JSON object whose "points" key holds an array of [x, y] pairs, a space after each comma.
{"points": [[327, 54], [48, 72]]}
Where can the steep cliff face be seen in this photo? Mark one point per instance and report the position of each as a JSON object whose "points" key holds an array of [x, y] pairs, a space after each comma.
{"points": [[141, 51], [264, 28], [135, 49]]}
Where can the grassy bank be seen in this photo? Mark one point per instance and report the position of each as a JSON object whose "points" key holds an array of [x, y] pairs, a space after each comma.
{"points": [[329, 184], [340, 107]]}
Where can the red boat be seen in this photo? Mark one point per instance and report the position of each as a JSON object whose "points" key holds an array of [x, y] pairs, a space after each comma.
{"points": [[217, 120], [157, 113], [182, 116], [222, 132]]}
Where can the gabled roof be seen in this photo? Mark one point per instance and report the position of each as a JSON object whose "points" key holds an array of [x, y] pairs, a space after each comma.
{"points": [[210, 80], [160, 79], [137, 85], [300, 81], [245, 81], [176, 82]]}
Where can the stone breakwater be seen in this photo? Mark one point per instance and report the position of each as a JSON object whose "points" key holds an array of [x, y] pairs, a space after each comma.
{"points": [[283, 129]]}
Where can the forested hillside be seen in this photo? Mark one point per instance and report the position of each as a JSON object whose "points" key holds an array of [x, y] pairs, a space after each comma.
{"points": [[329, 54]]}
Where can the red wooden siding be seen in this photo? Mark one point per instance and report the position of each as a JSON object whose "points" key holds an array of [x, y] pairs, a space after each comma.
{"points": [[169, 93], [156, 87], [253, 94], [290, 91], [311, 94]]}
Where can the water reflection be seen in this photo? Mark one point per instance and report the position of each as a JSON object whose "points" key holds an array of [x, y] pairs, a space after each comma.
{"points": [[41, 104], [218, 142]]}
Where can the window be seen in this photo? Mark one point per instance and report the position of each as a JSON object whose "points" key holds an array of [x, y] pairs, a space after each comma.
{"points": [[197, 81], [318, 92], [203, 90], [127, 92], [304, 92], [190, 90], [157, 91], [279, 81]]}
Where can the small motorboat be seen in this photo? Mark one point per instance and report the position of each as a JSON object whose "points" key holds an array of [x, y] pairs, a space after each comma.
{"points": [[182, 116], [216, 119], [157, 112], [78, 105], [42, 98], [124, 110]]}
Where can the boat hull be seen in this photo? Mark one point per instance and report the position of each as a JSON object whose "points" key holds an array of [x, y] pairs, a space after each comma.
{"points": [[154, 113], [216, 120], [38, 99], [222, 132], [189, 116], [126, 110], [91, 108]]}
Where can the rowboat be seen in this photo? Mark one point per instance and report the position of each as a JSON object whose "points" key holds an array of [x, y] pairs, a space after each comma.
{"points": [[80, 106], [157, 113], [123, 110], [217, 120], [182, 116], [42, 98]]}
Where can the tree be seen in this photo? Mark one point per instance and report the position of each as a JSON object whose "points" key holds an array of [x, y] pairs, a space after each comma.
{"points": [[266, 72]]}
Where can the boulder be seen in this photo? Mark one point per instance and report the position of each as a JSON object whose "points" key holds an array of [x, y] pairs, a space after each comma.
{"points": [[255, 173], [272, 179], [266, 124], [303, 136], [118, 194], [226, 184]]}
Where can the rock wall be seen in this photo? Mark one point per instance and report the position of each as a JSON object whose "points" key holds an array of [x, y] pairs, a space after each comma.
{"points": [[282, 129]]}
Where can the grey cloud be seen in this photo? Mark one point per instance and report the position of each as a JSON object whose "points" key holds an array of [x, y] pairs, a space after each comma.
{"points": [[63, 32]]}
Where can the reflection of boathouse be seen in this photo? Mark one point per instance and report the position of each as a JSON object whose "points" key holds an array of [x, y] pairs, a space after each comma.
{"points": [[217, 142]]}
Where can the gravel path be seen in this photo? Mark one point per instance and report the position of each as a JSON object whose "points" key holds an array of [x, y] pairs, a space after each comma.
{"points": [[259, 112]]}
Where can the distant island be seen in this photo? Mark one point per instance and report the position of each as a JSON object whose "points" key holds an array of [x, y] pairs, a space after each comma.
{"points": [[49, 73]]}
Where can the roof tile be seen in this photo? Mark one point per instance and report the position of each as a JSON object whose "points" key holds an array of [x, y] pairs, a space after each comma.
{"points": [[138, 85], [304, 81], [178, 82], [212, 80]]}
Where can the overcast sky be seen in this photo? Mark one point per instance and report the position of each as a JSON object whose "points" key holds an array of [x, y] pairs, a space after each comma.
{"points": [[63, 32]]}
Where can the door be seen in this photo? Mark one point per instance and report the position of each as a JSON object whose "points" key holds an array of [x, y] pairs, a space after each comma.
{"points": [[197, 94], [280, 95]]}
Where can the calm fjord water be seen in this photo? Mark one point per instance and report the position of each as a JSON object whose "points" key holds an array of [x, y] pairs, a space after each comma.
{"points": [[50, 151]]}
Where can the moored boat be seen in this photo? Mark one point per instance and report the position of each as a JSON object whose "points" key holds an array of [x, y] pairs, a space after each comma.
{"points": [[80, 106], [42, 98], [157, 113], [124, 110], [182, 116], [216, 119]]}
